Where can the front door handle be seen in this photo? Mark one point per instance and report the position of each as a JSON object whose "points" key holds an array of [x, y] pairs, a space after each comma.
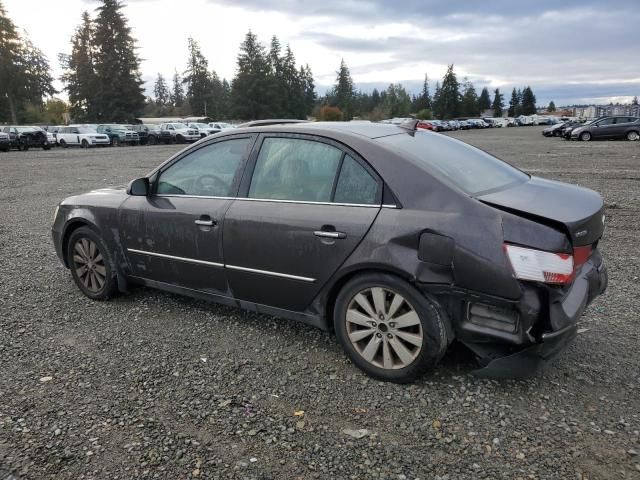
{"points": [[326, 234], [205, 221]]}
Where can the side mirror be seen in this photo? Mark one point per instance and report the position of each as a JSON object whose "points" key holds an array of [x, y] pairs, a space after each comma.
{"points": [[139, 187]]}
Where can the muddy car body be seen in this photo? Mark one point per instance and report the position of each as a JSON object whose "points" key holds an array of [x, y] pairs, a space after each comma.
{"points": [[401, 240]]}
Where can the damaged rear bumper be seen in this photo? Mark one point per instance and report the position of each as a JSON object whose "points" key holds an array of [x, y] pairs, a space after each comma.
{"points": [[564, 311]]}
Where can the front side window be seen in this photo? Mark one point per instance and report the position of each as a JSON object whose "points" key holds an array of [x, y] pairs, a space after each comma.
{"points": [[355, 184], [209, 171], [295, 169], [606, 121]]}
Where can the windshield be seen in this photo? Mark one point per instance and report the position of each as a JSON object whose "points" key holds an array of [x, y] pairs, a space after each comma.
{"points": [[86, 130], [200, 125], [26, 129], [178, 126], [469, 168]]}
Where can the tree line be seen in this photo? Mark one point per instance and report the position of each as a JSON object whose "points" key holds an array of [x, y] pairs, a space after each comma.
{"points": [[104, 84], [451, 99]]}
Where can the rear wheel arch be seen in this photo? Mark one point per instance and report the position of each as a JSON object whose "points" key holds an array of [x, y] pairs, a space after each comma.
{"points": [[338, 284]]}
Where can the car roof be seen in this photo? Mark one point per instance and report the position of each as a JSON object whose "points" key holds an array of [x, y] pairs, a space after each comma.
{"points": [[358, 128]]}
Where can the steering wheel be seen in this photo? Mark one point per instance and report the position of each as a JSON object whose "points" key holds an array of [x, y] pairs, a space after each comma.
{"points": [[211, 185]]}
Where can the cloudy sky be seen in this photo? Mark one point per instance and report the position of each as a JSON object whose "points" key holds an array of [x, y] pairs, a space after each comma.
{"points": [[569, 51]]}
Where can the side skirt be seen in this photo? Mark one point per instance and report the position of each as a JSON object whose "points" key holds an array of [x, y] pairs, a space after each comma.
{"points": [[317, 321]]}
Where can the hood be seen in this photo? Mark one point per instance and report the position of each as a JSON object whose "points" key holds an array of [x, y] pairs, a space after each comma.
{"points": [[578, 210]]}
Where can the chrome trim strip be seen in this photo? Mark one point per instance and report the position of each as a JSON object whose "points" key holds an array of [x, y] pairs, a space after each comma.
{"points": [[273, 274], [172, 257], [304, 202], [168, 195]]}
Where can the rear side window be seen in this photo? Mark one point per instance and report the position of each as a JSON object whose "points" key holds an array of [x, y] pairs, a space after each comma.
{"points": [[295, 169], [355, 184], [470, 169]]}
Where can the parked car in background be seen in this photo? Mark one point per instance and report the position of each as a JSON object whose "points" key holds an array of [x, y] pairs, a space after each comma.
{"points": [[524, 121], [399, 240], [609, 128], [221, 125], [426, 125], [25, 137], [5, 142], [80, 136], [119, 134], [204, 129], [554, 130], [464, 125], [142, 131], [567, 129], [178, 133]]}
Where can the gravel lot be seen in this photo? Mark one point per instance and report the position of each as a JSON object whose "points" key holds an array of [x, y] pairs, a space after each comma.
{"points": [[152, 385]]}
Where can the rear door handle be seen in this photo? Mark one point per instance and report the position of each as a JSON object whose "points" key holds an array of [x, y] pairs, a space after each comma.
{"points": [[322, 233]]}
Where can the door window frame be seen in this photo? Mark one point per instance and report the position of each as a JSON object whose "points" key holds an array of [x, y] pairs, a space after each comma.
{"points": [[235, 184], [245, 183]]}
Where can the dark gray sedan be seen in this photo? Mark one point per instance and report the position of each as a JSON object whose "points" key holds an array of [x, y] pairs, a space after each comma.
{"points": [[609, 128], [401, 241]]}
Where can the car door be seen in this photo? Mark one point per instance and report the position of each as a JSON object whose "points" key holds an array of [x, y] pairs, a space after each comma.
{"points": [[619, 127], [604, 128], [304, 206], [174, 235]]}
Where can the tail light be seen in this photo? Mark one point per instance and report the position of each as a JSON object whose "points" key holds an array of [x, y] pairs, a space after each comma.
{"points": [[547, 267]]}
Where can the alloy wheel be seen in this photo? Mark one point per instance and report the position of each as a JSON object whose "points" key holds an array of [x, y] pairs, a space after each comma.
{"points": [[384, 328], [89, 264], [633, 136]]}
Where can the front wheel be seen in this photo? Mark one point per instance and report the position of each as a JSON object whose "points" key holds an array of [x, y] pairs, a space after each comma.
{"points": [[179, 139], [88, 260], [633, 136], [388, 328], [85, 143], [585, 136], [115, 141]]}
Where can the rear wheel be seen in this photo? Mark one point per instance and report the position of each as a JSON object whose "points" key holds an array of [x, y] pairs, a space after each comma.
{"points": [[115, 141], [585, 136], [88, 260], [152, 140], [62, 143], [633, 136], [388, 328]]}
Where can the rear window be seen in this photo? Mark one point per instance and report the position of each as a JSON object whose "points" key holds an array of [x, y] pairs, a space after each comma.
{"points": [[467, 167]]}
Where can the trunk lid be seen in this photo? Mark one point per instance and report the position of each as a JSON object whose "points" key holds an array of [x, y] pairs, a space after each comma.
{"points": [[579, 210]]}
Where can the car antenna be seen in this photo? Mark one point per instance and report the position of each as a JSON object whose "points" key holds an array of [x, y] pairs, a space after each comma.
{"points": [[409, 125]]}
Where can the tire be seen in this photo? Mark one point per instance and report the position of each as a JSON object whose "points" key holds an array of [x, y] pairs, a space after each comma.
{"points": [[85, 247], [84, 143], [585, 137], [115, 141], [46, 147], [152, 140], [179, 139], [392, 357], [633, 136], [63, 144]]}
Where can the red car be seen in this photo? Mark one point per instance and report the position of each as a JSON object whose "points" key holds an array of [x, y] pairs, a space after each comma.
{"points": [[426, 125]]}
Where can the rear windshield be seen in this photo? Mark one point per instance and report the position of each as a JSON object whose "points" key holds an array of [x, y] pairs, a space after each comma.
{"points": [[467, 167]]}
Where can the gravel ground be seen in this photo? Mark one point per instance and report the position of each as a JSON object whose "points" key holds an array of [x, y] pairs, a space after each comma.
{"points": [[152, 385]]}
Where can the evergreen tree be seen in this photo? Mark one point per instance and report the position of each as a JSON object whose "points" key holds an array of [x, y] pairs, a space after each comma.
{"points": [[634, 101], [278, 88], [197, 79], [528, 101], [24, 72], [309, 88], [551, 107], [519, 102], [79, 75], [448, 105], [513, 104], [161, 91], [423, 101], [293, 87], [343, 91], [119, 96], [176, 97], [498, 103], [397, 102], [225, 100], [252, 81], [469, 105], [484, 101]]}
